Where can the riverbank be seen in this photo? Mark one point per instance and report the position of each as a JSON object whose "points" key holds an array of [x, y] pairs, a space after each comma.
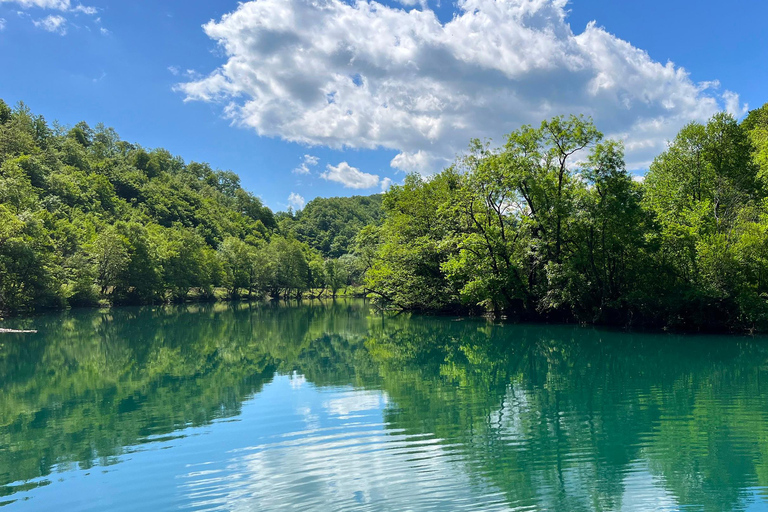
{"points": [[220, 295]]}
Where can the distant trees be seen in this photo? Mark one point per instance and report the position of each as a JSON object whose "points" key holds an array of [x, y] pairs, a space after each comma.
{"points": [[330, 225], [85, 216], [706, 196]]}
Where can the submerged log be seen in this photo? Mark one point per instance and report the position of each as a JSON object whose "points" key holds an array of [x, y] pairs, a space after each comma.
{"points": [[16, 331]]}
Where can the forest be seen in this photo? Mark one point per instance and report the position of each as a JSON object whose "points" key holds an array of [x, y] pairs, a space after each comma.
{"points": [[551, 226], [87, 218], [548, 226]]}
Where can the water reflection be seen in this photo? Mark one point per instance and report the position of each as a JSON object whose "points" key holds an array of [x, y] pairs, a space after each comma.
{"points": [[328, 406]]}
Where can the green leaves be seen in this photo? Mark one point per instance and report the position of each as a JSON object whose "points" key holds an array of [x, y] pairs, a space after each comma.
{"points": [[524, 229], [330, 225], [88, 216]]}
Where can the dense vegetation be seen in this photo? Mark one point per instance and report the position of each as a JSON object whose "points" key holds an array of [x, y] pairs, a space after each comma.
{"points": [[331, 225], [86, 217], [548, 226], [552, 226]]}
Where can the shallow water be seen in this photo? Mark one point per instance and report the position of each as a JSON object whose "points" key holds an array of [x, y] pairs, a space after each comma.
{"points": [[332, 407]]}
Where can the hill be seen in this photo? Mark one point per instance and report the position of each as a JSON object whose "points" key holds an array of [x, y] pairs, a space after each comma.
{"points": [[331, 224]]}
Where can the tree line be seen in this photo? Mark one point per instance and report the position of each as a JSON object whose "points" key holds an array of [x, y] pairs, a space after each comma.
{"points": [[552, 226], [549, 226], [87, 218]]}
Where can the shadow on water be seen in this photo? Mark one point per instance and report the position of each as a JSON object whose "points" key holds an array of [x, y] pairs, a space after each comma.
{"points": [[550, 417]]}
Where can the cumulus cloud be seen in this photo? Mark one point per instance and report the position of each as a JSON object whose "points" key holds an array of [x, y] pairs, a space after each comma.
{"points": [[415, 162], [53, 23], [350, 177], [2, 23], [309, 161], [733, 106], [365, 75], [295, 201], [385, 184]]}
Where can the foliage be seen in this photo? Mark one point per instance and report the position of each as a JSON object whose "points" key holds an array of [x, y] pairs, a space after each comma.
{"points": [[552, 225], [330, 225], [86, 217]]}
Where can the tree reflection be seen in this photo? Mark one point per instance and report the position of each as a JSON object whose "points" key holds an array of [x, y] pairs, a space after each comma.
{"points": [[556, 417]]}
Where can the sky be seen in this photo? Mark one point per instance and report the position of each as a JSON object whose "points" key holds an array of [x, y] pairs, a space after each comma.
{"points": [[307, 98]]}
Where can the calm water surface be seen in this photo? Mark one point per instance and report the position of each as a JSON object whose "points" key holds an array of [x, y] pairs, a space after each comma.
{"points": [[332, 407]]}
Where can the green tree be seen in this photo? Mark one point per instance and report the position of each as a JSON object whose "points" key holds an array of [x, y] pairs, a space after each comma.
{"points": [[110, 251], [236, 262], [337, 276]]}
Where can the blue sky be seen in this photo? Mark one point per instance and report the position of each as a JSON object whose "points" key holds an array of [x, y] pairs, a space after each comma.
{"points": [[372, 92]]}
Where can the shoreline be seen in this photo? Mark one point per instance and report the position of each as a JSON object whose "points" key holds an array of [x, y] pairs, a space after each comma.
{"points": [[458, 314]]}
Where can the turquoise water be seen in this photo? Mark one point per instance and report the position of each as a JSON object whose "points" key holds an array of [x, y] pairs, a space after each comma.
{"points": [[333, 407]]}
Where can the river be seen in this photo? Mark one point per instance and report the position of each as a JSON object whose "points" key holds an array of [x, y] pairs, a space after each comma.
{"points": [[332, 406]]}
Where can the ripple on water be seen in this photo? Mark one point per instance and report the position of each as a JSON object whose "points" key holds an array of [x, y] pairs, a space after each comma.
{"points": [[179, 410]]}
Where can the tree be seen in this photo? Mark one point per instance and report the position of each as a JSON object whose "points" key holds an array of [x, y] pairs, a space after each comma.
{"points": [[110, 251], [26, 261], [336, 275], [236, 262]]}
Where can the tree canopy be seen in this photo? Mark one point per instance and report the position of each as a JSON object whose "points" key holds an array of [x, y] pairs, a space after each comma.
{"points": [[86, 216], [331, 224], [552, 226]]}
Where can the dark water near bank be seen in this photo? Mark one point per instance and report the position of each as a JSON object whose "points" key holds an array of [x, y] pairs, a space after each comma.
{"points": [[331, 407]]}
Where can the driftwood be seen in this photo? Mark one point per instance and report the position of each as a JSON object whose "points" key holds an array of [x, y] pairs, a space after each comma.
{"points": [[15, 331]]}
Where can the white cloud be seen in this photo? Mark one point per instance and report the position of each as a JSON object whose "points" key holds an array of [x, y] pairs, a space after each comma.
{"points": [[349, 176], [309, 161], [385, 184], [420, 161], [90, 11], [2, 23], [733, 105], [295, 201], [61, 5], [174, 70], [53, 23], [366, 75], [104, 31]]}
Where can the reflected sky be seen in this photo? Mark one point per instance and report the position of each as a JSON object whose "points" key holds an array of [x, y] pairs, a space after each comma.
{"points": [[335, 407], [315, 449]]}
